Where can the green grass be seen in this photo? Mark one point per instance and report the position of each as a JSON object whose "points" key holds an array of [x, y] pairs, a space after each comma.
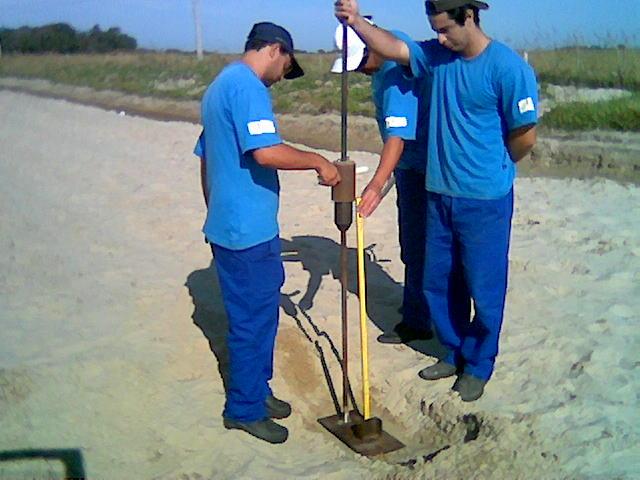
{"points": [[589, 67], [182, 77], [164, 75], [622, 114]]}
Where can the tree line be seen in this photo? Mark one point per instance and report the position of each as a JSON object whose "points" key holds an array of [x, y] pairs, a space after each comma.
{"points": [[63, 38]]}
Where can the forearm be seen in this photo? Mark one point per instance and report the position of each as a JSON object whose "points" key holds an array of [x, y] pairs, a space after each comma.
{"points": [[521, 142], [381, 41], [518, 152], [372, 194], [203, 181], [389, 158], [284, 157]]}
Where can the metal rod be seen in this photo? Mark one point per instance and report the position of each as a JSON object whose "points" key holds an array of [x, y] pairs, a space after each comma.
{"points": [[344, 267], [345, 351], [345, 93]]}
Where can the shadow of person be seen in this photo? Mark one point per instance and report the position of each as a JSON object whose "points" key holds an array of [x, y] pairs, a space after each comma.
{"points": [[320, 256], [209, 315]]}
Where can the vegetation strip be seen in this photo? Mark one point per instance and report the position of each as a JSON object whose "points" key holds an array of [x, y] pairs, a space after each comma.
{"points": [[182, 77], [611, 155]]}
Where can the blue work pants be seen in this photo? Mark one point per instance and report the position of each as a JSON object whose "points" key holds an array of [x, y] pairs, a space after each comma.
{"points": [[467, 260], [250, 281], [411, 203]]}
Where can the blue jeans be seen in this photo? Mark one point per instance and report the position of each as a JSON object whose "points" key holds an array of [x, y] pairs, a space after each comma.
{"points": [[250, 282], [411, 202], [467, 259]]}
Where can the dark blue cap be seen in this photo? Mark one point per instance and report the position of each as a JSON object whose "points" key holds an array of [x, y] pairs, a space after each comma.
{"points": [[272, 33], [435, 7]]}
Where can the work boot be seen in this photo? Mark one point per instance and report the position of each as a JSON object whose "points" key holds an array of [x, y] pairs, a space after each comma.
{"points": [[277, 408], [440, 369], [469, 387], [265, 429], [403, 334]]}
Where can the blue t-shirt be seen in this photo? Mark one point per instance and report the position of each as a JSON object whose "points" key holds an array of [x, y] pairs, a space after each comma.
{"points": [[474, 105], [401, 111], [238, 118], [199, 149]]}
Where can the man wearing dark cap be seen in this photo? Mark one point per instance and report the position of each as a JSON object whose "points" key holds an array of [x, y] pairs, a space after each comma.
{"points": [[241, 150], [482, 121]]}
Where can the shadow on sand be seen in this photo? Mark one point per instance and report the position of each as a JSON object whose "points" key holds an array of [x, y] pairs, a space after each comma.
{"points": [[320, 257], [71, 459], [209, 314]]}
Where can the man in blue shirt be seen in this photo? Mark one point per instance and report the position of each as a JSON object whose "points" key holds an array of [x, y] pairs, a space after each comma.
{"points": [[403, 123], [483, 114], [241, 151]]}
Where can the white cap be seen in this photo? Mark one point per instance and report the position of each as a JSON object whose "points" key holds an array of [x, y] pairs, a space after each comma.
{"points": [[355, 49]]}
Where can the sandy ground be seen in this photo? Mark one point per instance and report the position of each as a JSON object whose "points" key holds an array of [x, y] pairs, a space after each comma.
{"points": [[601, 154], [112, 350]]}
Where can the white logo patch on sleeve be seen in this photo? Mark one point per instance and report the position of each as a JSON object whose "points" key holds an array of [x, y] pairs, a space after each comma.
{"points": [[526, 105], [396, 122], [261, 126]]}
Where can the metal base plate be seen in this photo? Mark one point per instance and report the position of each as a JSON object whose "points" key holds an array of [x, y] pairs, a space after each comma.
{"points": [[384, 443]]}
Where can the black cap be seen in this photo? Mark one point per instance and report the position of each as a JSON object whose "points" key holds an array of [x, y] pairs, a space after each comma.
{"points": [[272, 33], [434, 7]]}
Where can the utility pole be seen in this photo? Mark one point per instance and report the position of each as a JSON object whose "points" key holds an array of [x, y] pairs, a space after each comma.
{"points": [[196, 18]]}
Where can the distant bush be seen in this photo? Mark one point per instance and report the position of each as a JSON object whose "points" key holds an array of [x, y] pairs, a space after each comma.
{"points": [[164, 75], [622, 114], [589, 66], [63, 38]]}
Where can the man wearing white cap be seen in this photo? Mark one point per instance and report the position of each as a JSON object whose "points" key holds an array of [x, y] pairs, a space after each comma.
{"points": [[403, 124], [483, 115]]}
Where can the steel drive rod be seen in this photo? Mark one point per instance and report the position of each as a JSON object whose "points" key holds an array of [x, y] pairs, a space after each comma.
{"points": [[343, 194], [343, 234], [345, 349], [345, 94]]}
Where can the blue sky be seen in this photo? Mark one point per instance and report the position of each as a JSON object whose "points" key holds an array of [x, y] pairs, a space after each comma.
{"points": [[169, 23]]}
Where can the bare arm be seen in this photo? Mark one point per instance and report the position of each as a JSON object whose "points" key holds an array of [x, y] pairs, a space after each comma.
{"points": [[521, 142], [389, 158], [377, 39], [284, 157], [203, 180]]}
